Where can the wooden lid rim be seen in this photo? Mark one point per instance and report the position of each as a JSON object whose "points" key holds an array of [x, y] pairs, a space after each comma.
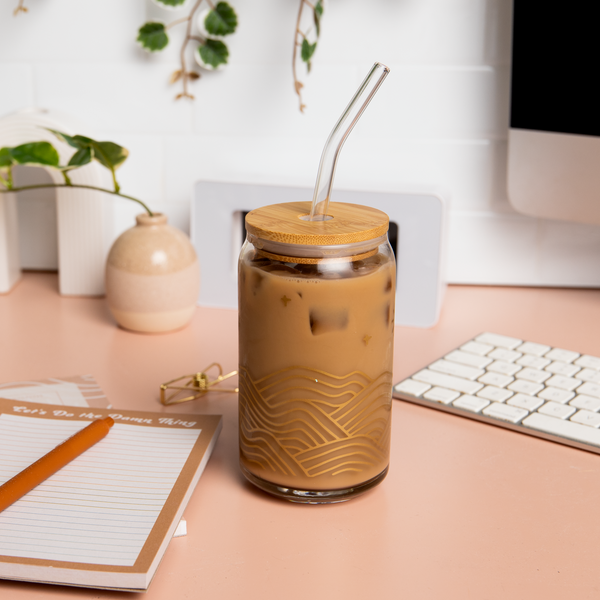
{"points": [[350, 223]]}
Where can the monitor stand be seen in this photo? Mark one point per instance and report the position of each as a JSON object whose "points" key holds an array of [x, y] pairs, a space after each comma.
{"points": [[554, 175]]}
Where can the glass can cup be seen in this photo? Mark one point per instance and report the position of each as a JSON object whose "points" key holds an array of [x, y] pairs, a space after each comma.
{"points": [[316, 328]]}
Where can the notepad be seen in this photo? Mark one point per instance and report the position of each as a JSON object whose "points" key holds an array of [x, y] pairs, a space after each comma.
{"points": [[105, 519], [79, 390]]}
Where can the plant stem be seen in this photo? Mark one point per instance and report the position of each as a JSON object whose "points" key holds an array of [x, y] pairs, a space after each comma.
{"points": [[74, 185], [117, 186], [297, 84], [188, 37], [20, 8], [177, 22]]}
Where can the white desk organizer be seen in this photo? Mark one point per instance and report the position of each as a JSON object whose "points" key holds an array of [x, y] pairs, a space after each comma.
{"points": [[85, 229], [217, 235]]}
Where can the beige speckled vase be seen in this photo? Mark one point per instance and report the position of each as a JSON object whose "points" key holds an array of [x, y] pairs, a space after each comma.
{"points": [[152, 277]]}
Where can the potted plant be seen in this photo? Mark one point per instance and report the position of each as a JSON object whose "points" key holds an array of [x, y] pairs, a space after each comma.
{"points": [[152, 271]]}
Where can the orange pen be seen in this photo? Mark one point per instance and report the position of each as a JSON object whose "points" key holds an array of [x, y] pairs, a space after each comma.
{"points": [[52, 462]]}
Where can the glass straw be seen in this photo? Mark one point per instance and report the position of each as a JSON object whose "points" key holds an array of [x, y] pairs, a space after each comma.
{"points": [[337, 137]]}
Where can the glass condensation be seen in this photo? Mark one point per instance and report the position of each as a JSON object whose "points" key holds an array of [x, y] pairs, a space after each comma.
{"points": [[315, 363]]}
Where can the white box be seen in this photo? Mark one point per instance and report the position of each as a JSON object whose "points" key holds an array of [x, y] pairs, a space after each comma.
{"points": [[217, 235], [84, 217]]}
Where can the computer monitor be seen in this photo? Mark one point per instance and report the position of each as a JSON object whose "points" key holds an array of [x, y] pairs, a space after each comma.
{"points": [[554, 136]]}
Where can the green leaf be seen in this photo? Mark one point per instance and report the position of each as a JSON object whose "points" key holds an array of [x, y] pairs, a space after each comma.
{"points": [[317, 14], [213, 53], [81, 157], [109, 154], [77, 141], [80, 141], [153, 36], [171, 3], [5, 157], [222, 20], [307, 51], [35, 153]]}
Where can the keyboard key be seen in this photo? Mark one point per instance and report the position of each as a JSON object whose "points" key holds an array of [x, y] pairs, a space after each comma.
{"points": [[476, 348], [560, 427], [531, 348], [411, 387], [522, 386], [466, 358], [438, 394], [448, 381], [534, 375], [589, 375], [589, 389], [554, 409], [456, 369], [503, 354], [491, 392], [496, 379], [589, 362], [564, 383], [525, 386], [585, 417], [504, 412], [535, 362], [556, 395], [561, 368], [499, 340], [587, 402], [525, 401], [471, 403], [500, 366], [562, 355]]}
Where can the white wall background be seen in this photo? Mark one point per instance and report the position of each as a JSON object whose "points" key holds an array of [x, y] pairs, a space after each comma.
{"points": [[440, 118]]}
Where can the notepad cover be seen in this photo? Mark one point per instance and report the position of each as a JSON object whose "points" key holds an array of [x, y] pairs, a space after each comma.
{"points": [[104, 520]]}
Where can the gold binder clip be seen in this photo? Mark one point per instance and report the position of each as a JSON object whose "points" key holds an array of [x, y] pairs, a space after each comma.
{"points": [[198, 383]]}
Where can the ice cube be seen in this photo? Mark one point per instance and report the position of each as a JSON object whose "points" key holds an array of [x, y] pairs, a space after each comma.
{"points": [[280, 269], [387, 313], [256, 280], [326, 320]]}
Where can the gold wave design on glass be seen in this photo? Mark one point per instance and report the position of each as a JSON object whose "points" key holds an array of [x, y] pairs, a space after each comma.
{"points": [[309, 424]]}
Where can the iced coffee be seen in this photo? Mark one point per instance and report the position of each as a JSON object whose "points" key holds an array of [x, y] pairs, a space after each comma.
{"points": [[315, 338]]}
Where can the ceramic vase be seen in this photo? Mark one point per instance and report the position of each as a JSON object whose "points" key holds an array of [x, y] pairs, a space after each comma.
{"points": [[152, 277]]}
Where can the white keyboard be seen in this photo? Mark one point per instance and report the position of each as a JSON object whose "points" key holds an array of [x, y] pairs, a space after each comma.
{"points": [[527, 387]]}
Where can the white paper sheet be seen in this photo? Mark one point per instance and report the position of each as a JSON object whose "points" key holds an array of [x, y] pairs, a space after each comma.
{"points": [[105, 518]]}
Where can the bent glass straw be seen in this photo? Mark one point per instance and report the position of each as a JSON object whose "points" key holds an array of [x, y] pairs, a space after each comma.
{"points": [[337, 137]]}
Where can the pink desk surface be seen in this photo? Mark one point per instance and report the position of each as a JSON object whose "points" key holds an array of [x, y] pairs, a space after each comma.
{"points": [[467, 511]]}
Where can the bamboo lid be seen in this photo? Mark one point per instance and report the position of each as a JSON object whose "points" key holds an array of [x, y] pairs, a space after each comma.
{"points": [[350, 223]]}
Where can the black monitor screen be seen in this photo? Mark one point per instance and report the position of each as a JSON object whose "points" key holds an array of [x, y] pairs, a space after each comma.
{"points": [[555, 74]]}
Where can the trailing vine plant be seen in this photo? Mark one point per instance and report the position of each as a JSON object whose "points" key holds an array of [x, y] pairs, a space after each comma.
{"points": [[218, 21], [305, 41], [44, 154], [211, 52]]}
